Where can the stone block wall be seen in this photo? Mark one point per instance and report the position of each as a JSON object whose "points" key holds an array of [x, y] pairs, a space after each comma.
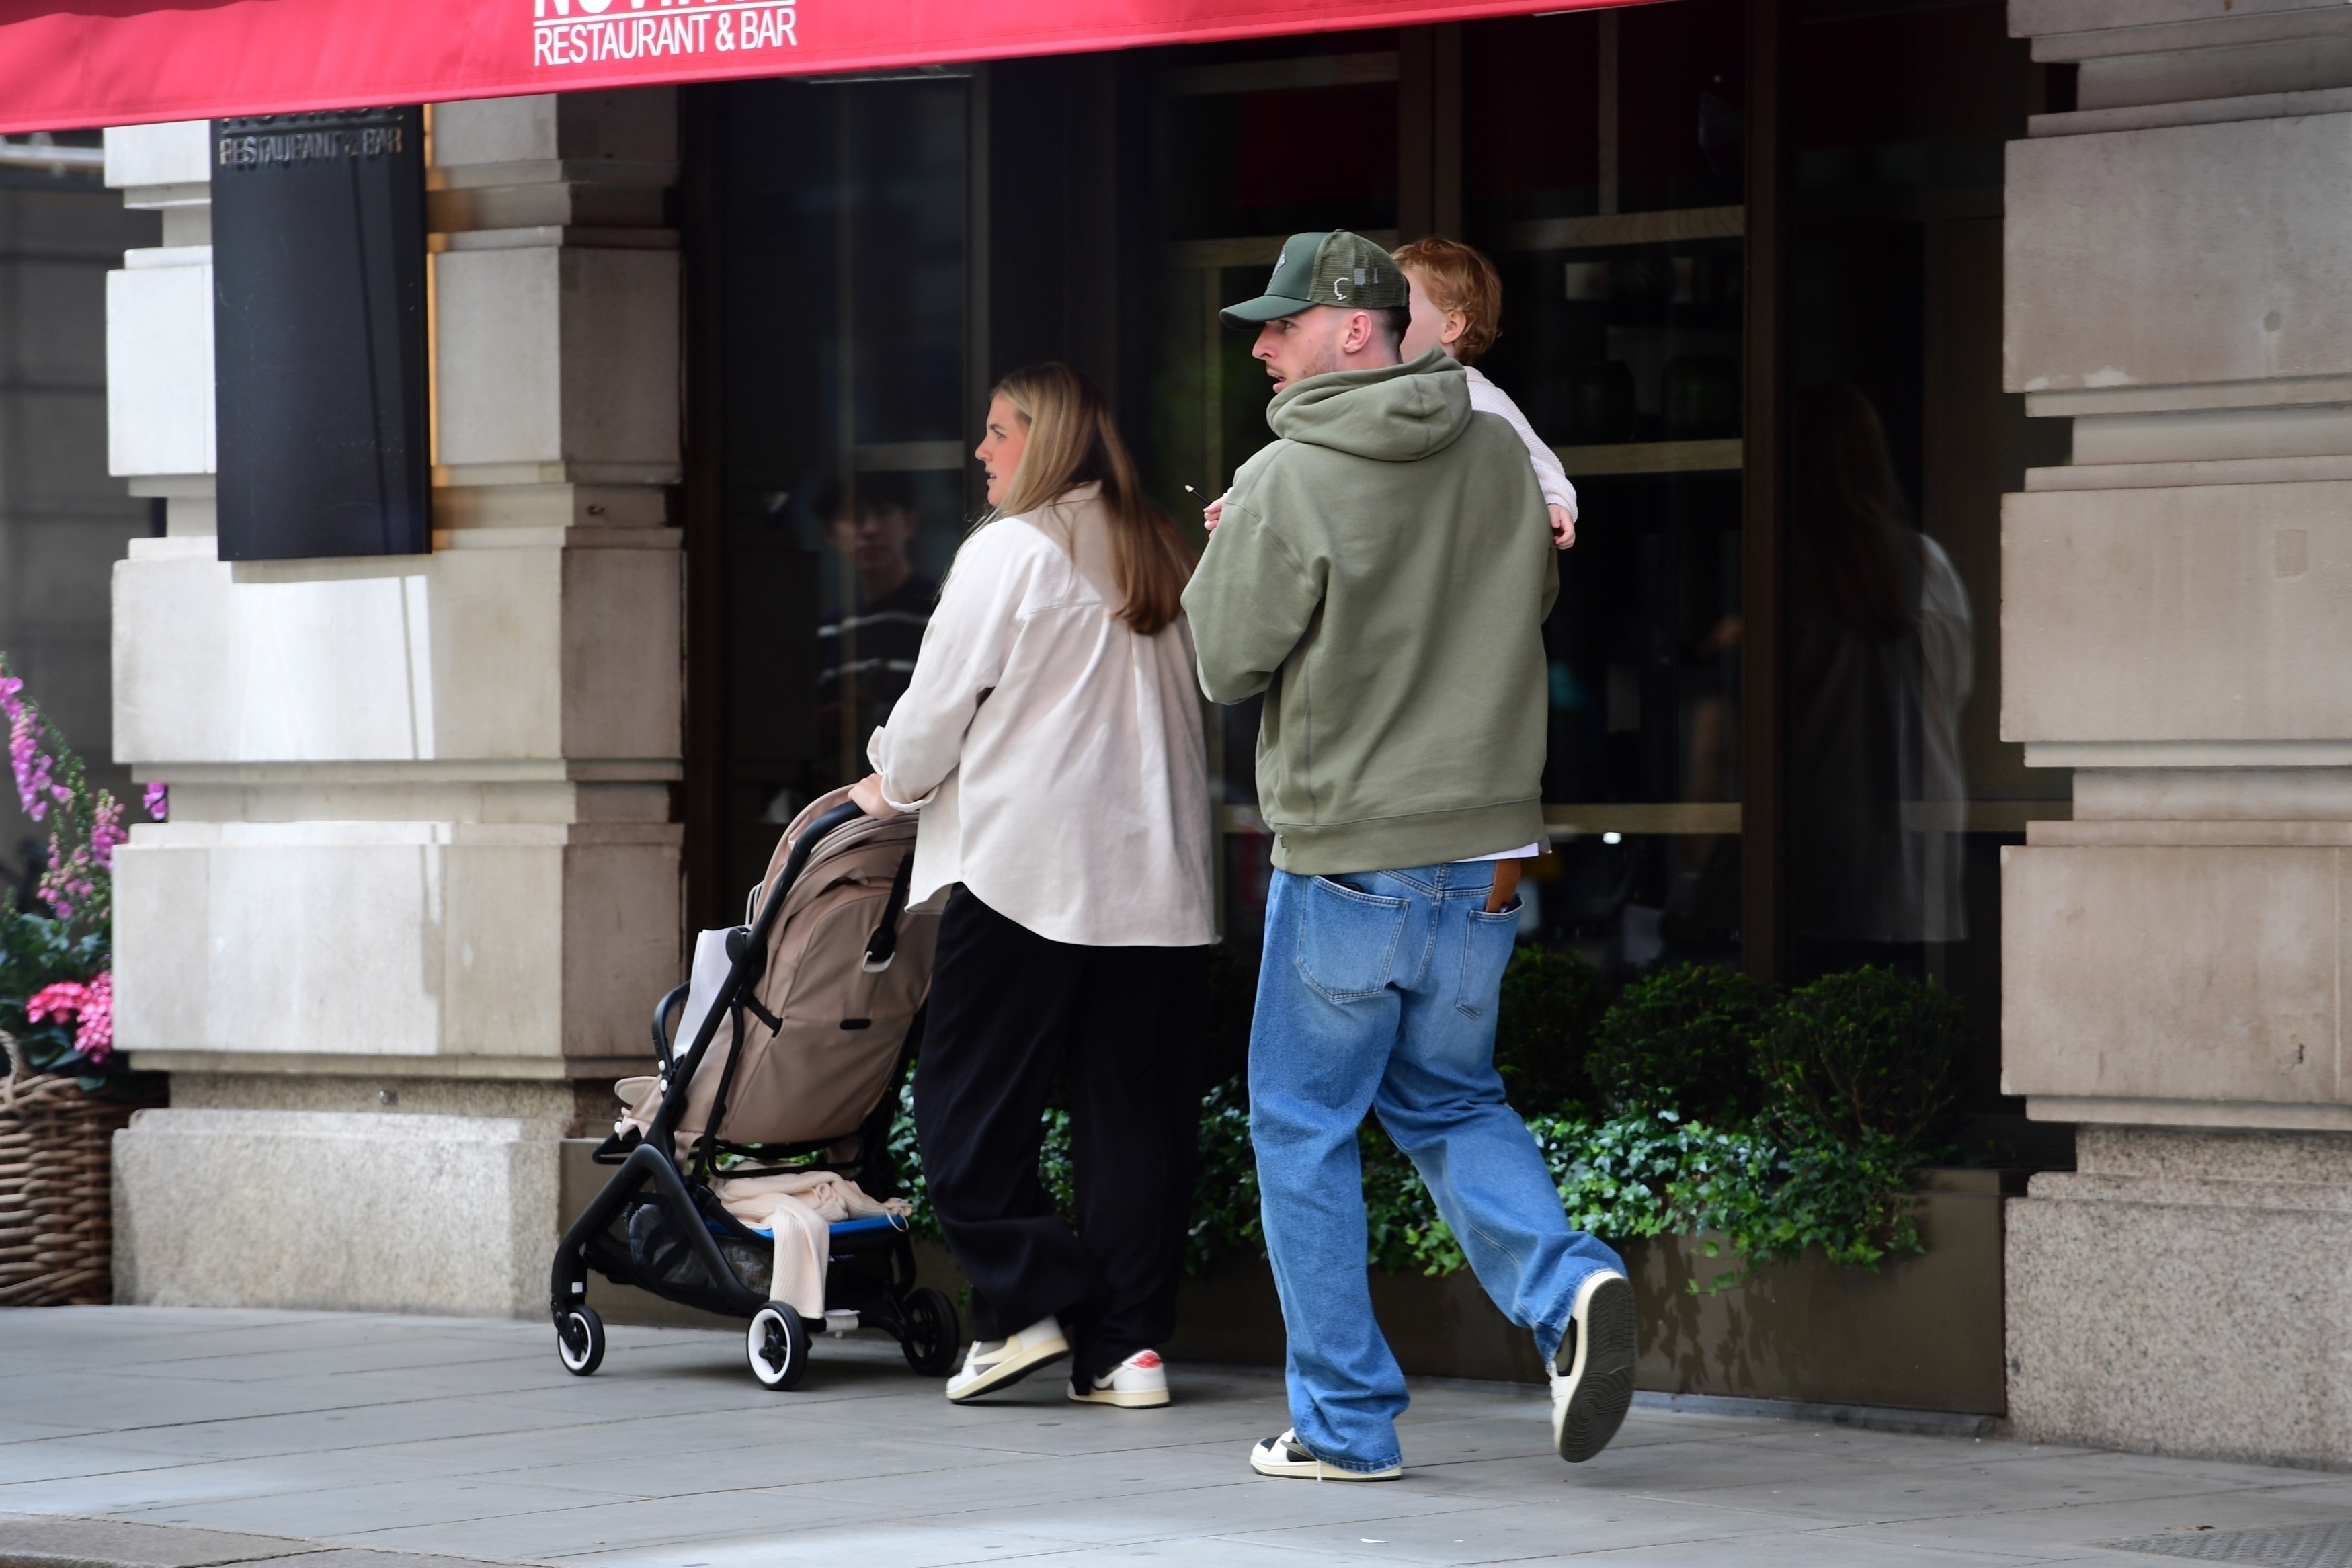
{"points": [[2174, 629], [421, 883]]}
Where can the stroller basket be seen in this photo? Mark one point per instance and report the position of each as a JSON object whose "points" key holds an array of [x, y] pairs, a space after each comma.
{"points": [[775, 1071]]}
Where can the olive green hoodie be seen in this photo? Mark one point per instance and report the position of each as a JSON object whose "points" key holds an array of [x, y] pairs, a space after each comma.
{"points": [[1382, 572]]}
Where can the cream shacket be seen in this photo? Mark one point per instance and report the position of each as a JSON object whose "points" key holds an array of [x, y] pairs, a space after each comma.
{"points": [[1055, 755]]}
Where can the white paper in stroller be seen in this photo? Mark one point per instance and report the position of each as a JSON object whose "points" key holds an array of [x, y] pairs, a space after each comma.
{"points": [[642, 1096], [704, 982]]}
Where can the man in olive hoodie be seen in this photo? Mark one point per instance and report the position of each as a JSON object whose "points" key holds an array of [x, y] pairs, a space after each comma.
{"points": [[1381, 573]]}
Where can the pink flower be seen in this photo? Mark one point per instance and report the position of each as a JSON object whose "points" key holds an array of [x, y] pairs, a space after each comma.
{"points": [[34, 785], [62, 1000], [106, 830], [95, 1037], [67, 884], [94, 1004], [159, 802]]}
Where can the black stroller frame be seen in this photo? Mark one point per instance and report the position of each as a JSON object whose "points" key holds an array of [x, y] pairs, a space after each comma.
{"points": [[663, 1231]]}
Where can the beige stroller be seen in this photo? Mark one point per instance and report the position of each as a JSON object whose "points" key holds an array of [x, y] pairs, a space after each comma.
{"points": [[799, 1028]]}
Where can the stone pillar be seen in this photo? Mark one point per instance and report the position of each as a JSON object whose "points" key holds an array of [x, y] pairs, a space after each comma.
{"points": [[2176, 623], [420, 884]]}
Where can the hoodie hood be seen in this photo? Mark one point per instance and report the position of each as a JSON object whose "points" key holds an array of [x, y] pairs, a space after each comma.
{"points": [[1397, 413]]}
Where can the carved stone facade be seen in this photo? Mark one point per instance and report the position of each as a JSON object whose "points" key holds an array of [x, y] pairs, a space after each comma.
{"points": [[2174, 629], [420, 876]]}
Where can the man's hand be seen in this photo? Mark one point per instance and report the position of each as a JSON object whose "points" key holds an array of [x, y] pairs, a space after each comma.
{"points": [[1563, 526], [866, 796], [1212, 514]]}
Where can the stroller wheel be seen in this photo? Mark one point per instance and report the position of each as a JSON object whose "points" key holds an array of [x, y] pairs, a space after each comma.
{"points": [[580, 1341], [932, 1333], [779, 1346]]}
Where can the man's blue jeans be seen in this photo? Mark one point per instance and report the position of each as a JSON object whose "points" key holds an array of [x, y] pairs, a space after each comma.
{"points": [[1377, 992]]}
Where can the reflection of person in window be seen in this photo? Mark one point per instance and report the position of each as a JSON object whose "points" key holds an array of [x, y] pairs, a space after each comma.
{"points": [[1880, 663], [866, 649]]}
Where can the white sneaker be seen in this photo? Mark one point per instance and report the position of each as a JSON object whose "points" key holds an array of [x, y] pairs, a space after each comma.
{"points": [[1138, 1383], [1592, 1376], [1283, 1456], [991, 1365]]}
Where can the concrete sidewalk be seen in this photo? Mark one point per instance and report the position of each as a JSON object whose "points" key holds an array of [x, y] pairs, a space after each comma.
{"points": [[187, 1438]]}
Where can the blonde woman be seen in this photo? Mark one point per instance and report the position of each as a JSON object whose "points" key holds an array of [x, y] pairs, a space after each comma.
{"points": [[1050, 739]]}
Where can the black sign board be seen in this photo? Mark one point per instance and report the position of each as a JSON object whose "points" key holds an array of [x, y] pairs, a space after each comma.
{"points": [[318, 352]]}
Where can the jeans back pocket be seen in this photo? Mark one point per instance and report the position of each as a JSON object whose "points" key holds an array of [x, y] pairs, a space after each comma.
{"points": [[1487, 942], [1348, 939]]}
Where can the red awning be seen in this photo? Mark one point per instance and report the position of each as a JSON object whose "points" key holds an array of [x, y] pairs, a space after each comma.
{"points": [[70, 64]]}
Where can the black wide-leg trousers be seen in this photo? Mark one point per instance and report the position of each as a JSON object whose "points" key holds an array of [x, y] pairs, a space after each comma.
{"points": [[1009, 1011]]}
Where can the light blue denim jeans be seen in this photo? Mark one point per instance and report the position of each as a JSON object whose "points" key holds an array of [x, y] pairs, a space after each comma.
{"points": [[1377, 992]]}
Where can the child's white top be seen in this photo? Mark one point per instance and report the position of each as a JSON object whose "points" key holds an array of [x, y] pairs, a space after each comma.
{"points": [[1485, 397]]}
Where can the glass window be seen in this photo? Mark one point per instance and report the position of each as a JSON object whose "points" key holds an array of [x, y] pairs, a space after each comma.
{"points": [[1600, 164], [1254, 144], [1603, 160], [842, 445], [1900, 792]]}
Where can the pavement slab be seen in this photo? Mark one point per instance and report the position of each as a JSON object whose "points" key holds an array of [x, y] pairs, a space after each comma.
{"points": [[153, 1438]]}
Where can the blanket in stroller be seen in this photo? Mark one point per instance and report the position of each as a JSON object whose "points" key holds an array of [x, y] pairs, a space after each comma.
{"points": [[799, 1208]]}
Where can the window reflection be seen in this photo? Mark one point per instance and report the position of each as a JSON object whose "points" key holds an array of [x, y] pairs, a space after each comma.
{"points": [[843, 441], [1601, 169], [1881, 659], [1613, 214], [877, 605]]}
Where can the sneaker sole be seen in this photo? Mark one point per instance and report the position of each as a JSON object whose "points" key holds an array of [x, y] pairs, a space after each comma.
{"points": [[1320, 1471], [1604, 1390], [1129, 1399], [1005, 1373]]}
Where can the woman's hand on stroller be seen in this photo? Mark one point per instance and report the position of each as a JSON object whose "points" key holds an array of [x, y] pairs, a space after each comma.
{"points": [[866, 796]]}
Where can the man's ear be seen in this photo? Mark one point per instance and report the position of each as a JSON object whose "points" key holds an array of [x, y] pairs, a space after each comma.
{"points": [[1359, 333]]}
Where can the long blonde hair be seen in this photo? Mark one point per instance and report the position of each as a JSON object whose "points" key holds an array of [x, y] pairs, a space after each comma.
{"points": [[1072, 441]]}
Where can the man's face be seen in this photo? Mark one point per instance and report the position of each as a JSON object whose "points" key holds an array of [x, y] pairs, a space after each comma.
{"points": [[877, 539], [1311, 343]]}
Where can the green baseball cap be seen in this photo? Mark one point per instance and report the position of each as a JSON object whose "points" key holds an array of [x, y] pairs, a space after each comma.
{"points": [[1327, 267]]}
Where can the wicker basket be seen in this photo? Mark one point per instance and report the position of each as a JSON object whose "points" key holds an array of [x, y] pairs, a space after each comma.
{"points": [[57, 1218]]}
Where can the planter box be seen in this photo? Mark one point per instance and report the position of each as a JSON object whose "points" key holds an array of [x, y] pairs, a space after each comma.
{"points": [[1924, 1333]]}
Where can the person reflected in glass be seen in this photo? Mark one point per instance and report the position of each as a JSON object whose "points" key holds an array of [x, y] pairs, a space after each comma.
{"points": [[1050, 739], [1881, 659], [866, 646]]}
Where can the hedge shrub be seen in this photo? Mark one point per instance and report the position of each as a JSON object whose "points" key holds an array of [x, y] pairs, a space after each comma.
{"points": [[1684, 1039], [1866, 1054], [1780, 1124]]}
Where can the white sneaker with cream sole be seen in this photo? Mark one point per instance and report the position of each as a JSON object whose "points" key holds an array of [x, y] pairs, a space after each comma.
{"points": [[1283, 1456], [1139, 1382], [991, 1365], [1592, 1376]]}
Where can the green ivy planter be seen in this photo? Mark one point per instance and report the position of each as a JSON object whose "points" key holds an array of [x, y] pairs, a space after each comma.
{"points": [[1922, 1332]]}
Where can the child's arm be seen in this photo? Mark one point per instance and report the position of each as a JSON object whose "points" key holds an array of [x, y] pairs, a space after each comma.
{"points": [[1560, 496]]}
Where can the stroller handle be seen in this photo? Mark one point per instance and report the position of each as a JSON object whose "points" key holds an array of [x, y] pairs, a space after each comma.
{"points": [[676, 995], [751, 959]]}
